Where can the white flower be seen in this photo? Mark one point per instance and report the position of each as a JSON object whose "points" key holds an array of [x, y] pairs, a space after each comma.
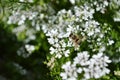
{"points": [[90, 33], [30, 1], [87, 74], [58, 55], [105, 71], [72, 78], [52, 50], [53, 32], [21, 0], [79, 70], [63, 75], [62, 43], [70, 28], [101, 35], [106, 59], [105, 3], [20, 22], [91, 27], [70, 71], [82, 58], [102, 49], [30, 37], [117, 19], [66, 53], [101, 5], [32, 15], [72, 1], [69, 44], [110, 42], [30, 48], [51, 40], [97, 67], [117, 73]]}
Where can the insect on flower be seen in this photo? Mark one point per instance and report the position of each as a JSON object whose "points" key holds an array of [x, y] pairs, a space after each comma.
{"points": [[77, 39]]}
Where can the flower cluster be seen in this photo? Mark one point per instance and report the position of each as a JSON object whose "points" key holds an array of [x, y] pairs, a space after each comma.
{"points": [[25, 51], [79, 21], [70, 71], [27, 1], [20, 17], [99, 5], [94, 67]]}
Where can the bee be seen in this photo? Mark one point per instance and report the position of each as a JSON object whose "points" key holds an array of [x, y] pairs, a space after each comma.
{"points": [[77, 39]]}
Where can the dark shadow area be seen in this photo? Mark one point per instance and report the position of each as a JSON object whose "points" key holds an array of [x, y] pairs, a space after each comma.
{"points": [[14, 67]]}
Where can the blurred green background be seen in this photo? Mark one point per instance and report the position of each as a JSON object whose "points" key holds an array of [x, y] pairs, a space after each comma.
{"points": [[14, 67]]}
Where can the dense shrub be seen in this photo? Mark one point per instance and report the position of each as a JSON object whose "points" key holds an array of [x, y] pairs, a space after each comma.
{"points": [[60, 39]]}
